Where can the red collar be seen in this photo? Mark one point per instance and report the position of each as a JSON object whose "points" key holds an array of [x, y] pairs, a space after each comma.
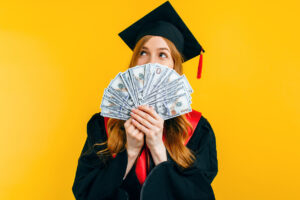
{"points": [[141, 166]]}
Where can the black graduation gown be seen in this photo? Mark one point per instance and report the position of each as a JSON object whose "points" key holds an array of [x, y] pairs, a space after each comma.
{"points": [[95, 180]]}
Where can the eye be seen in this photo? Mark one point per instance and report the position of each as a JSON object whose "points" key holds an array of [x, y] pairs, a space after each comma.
{"points": [[163, 54], [141, 53]]}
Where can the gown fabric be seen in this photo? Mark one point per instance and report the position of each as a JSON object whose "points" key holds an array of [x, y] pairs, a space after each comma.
{"points": [[97, 180]]}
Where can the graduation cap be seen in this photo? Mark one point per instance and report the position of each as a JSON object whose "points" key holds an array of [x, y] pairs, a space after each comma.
{"points": [[164, 21]]}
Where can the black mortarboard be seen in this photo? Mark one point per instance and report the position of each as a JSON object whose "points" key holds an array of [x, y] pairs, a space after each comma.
{"points": [[164, 21]]}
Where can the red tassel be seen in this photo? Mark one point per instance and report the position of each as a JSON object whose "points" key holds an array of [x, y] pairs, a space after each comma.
{"points": [[200, 66]]}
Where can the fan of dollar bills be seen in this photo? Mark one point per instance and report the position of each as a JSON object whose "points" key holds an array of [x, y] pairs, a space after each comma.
{"points": [[150, 84]]}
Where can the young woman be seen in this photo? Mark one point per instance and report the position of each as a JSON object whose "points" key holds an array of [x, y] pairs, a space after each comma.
{"points": [[146, 157]]}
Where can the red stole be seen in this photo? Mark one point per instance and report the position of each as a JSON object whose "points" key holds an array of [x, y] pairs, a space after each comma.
{"points": [[141, 169]]}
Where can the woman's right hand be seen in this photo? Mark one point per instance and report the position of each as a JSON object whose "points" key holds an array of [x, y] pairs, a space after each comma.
{"points": [[135, 138], [135, 142]]}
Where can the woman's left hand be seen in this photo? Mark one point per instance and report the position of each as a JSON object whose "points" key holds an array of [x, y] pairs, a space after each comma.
{"points": [[146, 119]]}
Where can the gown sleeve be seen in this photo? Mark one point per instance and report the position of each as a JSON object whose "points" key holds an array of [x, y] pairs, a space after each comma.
{"points": [[95, 179], [193, 182]]}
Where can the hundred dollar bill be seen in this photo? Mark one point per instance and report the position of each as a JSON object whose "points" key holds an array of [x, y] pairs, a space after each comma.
{"points": [[169, 94], [173, 75], [147, 78], [172, 81], [147, 75], [161, 104], [107, 103], [174, 108], [129, 85], [105, 112], [116, 110], [157, 74], [160, 79], [161, 94], [118, 86], [113, 97], [161, 109], [169, 98], [137, 75]]}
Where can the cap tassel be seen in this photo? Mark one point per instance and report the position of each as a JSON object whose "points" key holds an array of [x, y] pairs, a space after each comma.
{"points": [[200, 66]]}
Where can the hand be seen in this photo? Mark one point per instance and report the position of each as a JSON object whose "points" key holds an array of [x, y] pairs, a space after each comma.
{"points": [[146, 119], [135, 141], [134, 137]]}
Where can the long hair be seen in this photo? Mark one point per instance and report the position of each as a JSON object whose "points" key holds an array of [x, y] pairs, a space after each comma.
{"points": [[177, 128]]}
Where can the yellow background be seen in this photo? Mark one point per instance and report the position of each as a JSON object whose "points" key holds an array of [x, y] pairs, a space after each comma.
{"points": [[56, 58]]}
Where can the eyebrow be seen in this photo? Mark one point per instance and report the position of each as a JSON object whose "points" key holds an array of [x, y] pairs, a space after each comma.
{"points": [[162, 48]]}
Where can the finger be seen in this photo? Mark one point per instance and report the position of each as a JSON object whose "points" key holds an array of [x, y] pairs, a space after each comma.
{"points": [[127, 123], [150, 111], [140, 127], [130, 127], [145, 115], [142, 121], [134, 132], [140, 134]]}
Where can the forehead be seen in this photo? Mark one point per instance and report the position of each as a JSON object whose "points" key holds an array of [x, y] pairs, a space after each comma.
{"points": [[156, 42]]}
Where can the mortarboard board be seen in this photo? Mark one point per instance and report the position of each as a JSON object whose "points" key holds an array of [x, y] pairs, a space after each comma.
{"points": [[164, 21]]}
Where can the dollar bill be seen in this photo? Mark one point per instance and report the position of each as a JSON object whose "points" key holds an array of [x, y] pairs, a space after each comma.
{"points": [[168, 94], [172, 81], [129, 84], [147, 75], [137, 75], [105, 112], [107, 103], [157, 74], [115, 98], [160, 79], [117, 109], [173, 107], [118, 86]]}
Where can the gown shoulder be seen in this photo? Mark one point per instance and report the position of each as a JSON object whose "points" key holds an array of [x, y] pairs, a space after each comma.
{"points": [[96, 128], [95, 179], [96, 134], [203, 130]]}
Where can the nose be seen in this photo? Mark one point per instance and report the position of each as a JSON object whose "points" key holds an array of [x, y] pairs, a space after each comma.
{"points": [[153, 59]]}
